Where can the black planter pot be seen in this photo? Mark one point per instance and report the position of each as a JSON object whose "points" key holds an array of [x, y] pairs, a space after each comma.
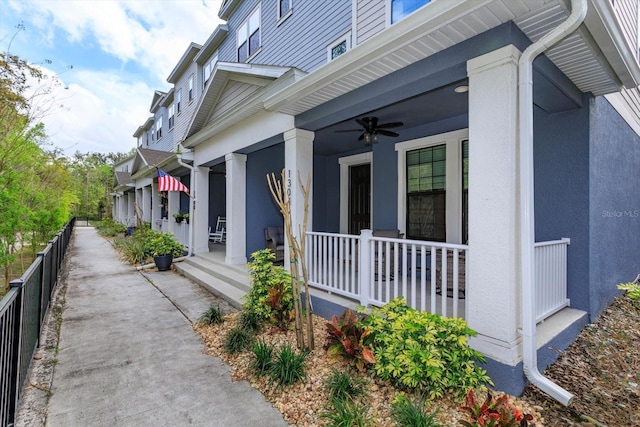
{"points": [[163, 262], [179, 220]]}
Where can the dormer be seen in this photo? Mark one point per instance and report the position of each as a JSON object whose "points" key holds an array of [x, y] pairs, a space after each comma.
{"points": [[144, 133], [208, 55]]}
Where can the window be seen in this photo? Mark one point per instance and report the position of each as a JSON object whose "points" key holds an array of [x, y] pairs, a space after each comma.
{"points": [[207, 70], [284, 8], [339, 46], [249, 36], [465, 191], [172, 110], [191, 88], [159, 128], [402, 8], [178, 100], [426, 193]]}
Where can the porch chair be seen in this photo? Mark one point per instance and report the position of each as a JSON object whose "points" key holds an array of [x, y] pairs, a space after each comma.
{"points": [[220, 235], [274, 239]]}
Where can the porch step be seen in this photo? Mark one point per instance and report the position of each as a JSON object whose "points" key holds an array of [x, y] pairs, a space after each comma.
{"points": [[227, 282]]}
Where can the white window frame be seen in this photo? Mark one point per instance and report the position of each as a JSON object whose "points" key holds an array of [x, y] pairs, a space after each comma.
{"points": [[159, 128], [244, 34], [208, 69], [345, 164], [281, 18], [346, 38], [190, 88], [453, 141], [178, 101], [387, 11], [171, 114]]}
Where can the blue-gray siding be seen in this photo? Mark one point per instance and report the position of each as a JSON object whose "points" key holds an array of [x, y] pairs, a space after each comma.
{"points": [[300, 40]]}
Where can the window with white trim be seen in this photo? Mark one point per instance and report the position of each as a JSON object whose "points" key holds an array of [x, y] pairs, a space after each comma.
{"points": [[172, 113], [339, 46], [284, 8], [248, 36], [191, 88], [401, 8], [208, 69], [159, 127], [178, 100]]}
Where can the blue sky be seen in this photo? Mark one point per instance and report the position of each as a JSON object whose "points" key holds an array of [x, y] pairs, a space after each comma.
{"points": [[110, 55]]}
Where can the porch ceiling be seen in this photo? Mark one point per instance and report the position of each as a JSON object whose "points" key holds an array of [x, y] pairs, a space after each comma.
{"points": [[436, 27]]}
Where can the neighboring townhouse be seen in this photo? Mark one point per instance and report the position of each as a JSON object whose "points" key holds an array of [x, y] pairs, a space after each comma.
{"points": [[417, 120], [123, 192]]}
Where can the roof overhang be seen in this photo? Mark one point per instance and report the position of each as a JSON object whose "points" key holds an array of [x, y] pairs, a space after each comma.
{"points": [[212, 43], [184, 62], [227, 8], [269, 79], [147, 160], [434, 28]]}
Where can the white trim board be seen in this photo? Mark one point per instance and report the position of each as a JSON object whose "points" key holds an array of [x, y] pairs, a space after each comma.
{"points": [[345, 164]]}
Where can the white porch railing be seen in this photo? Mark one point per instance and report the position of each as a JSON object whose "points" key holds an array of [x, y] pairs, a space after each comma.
{"points": [[551, 277], [180, 232], [374, 270]]}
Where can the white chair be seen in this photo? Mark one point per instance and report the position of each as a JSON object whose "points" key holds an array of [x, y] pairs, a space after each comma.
{"points": [[220, 235]]}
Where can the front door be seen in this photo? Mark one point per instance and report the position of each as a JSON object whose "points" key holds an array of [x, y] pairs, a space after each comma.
{"points": [[359, 198]]}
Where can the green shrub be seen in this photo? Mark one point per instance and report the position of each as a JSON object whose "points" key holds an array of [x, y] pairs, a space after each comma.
{"points": [[409, 413], [288, 366], [423, 351], [249, 321], [346, 413], [632, 290], [237, 340], [131, 249], [341, 385], [271, 293], [213, 315], [345, 337], [493, 412], [156, 244], [109, 228], [263, 355]]}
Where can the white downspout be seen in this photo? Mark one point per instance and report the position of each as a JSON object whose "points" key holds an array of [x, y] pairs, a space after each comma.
{"points": [[192, 201], [525, 100]]}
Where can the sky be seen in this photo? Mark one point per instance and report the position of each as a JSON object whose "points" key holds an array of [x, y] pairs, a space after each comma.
{"points": [[109, 55]]}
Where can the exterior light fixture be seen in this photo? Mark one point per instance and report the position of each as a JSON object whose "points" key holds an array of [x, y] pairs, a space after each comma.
{"points": [[461, 89]]}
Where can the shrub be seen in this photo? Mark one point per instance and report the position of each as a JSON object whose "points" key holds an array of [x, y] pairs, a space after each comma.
{"points": [[632, 290], [249, 321], [263, 355], [109, 228], [271, 294], [409, 413], [213, 315], [341, 385], [288, 366], [157, 244], [131, 249], [237, 340], [493, 412], [345, 337], [346, 413], [423, 351]]}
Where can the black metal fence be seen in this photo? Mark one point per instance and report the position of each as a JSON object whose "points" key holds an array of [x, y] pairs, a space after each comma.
{"points": [[22, 313]]}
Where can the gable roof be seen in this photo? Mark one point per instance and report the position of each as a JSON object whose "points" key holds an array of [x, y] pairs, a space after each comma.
{"points": [[158, 95], [122, 178], [184, 62], [147, 159], [254, 75]]}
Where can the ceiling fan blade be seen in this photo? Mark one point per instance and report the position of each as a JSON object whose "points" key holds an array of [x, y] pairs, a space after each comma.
{"points": [[390, 125], [363, 123], [387, 133], [361, 137], [349, 130]]}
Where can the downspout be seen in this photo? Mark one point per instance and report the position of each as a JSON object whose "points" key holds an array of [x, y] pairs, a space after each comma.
{"points": [[527, 272], [192, 200]]}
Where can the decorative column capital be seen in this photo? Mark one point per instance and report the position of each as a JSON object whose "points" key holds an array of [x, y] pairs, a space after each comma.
{"points": [[505, 55], [299, 135]]}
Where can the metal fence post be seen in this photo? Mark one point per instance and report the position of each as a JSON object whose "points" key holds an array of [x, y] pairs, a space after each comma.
{"points": [[16, 357]]}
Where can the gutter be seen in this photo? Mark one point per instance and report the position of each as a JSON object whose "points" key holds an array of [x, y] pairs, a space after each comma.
{"points": [[527, 239], [192, 201]]}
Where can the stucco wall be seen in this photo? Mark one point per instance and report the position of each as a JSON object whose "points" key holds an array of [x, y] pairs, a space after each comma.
{"points": [[262, 210], [614, 203]]}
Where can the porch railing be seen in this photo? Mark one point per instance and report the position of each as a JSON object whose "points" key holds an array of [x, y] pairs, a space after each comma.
{"points": [[22, 313], [432, 276], [551, 277], [374, 270]]}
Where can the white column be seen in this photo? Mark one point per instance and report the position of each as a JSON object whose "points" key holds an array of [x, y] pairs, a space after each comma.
{"points": [[298, 160], [200, 222], [156, 210], [493, 308], [236, 246], [130, 209], [146, 203]]}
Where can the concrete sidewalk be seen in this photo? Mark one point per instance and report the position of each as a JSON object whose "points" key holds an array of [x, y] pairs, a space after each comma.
{"points": [[129, 357]]}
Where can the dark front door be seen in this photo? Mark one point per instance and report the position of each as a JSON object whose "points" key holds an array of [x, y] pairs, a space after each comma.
{"points": [[359, 198]]}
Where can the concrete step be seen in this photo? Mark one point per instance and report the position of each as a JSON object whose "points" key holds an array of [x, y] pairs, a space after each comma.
{"points": [[225, 288], [238, 276]]}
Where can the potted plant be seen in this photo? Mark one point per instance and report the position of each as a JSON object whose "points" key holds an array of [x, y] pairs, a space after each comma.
{"points": [[163, 247], [186, 217], [179, 217]]}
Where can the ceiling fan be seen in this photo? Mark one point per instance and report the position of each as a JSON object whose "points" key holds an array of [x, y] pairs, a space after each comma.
{"points": [[371, 129]]}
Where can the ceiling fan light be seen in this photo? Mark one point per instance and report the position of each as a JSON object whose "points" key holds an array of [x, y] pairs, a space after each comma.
{"points": [[374, 138], [367, 138]]}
